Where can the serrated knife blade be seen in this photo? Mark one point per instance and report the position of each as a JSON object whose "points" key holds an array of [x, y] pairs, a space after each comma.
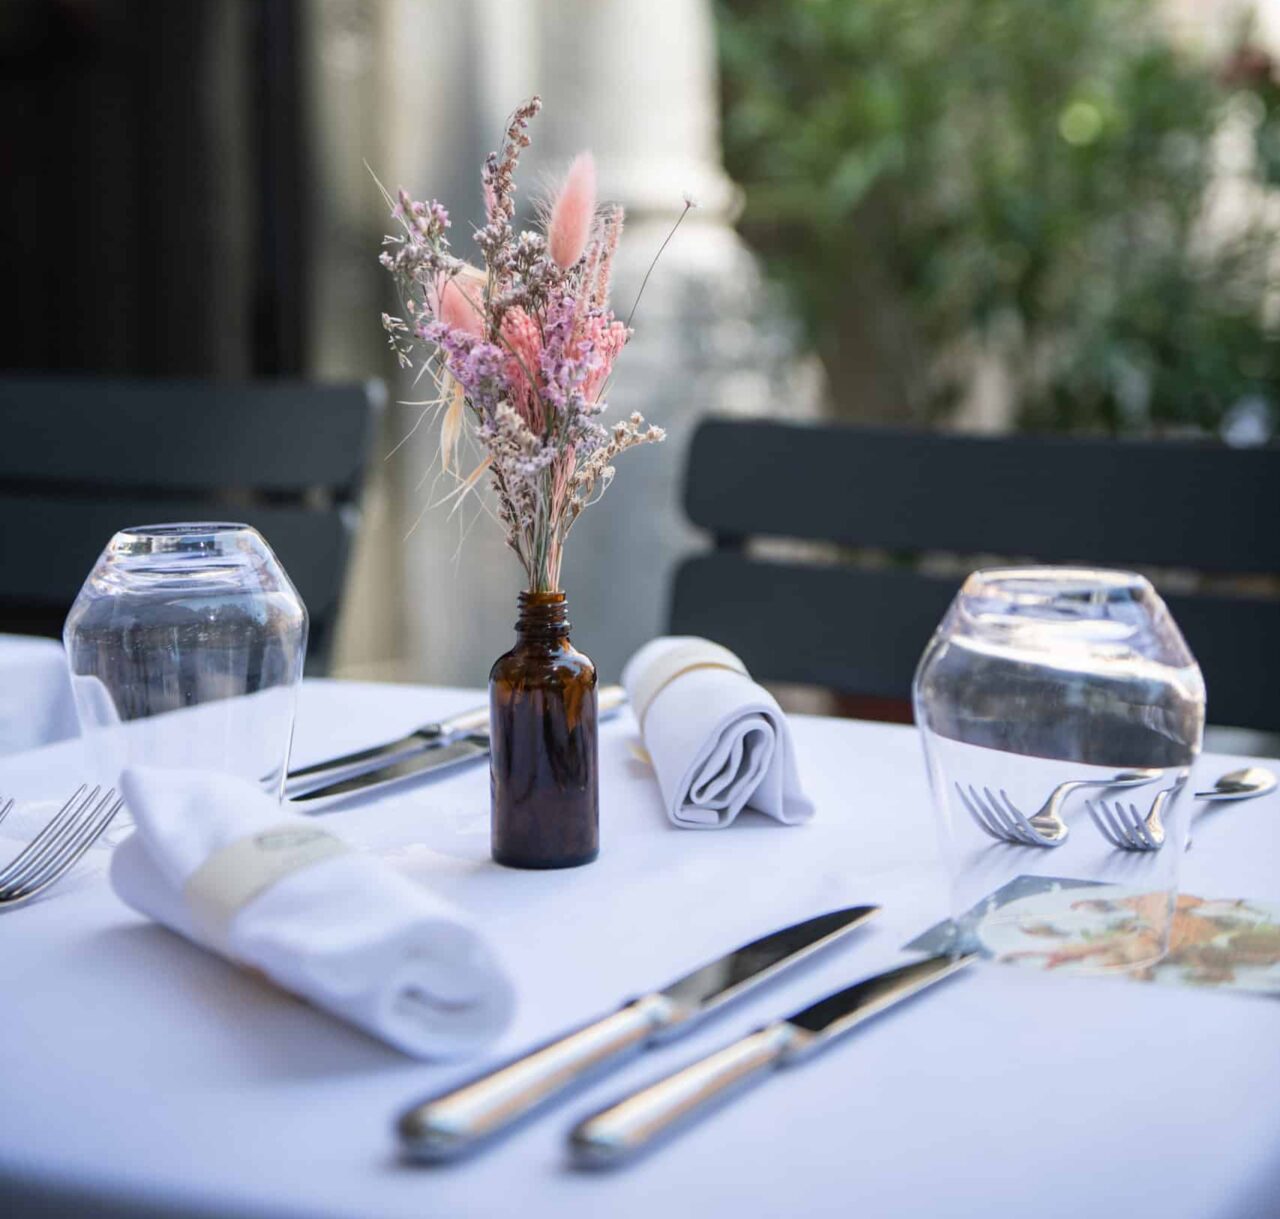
{"points": [[462, 1119]]}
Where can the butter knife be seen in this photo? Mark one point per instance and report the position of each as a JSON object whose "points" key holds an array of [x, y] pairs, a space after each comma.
{"points": [[461, 738], [460, 1120], [617, 1133]]}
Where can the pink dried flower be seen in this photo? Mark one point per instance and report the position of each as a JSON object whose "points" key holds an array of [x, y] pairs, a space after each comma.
{"points": [[602, 270], [523, 348], [459, 302], [574, 209], [606, 337], [523, 340]]}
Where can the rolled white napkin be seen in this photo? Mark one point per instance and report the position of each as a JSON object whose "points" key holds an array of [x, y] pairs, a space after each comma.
{"points": [[217, 861], [718, 741]]}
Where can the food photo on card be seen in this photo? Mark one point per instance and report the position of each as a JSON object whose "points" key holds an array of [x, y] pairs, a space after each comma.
{"points": [[1053, 923]]}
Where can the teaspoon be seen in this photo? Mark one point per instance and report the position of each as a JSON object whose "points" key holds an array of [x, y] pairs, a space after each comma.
{"points": [[1240, 785]]}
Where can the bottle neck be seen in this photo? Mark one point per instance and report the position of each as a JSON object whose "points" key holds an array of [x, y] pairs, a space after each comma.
{"points": [[543, 618]]}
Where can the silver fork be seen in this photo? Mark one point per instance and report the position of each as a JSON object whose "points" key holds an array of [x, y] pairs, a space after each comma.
{"points": [[1003, 821], [1127, 828], [53, 852]]}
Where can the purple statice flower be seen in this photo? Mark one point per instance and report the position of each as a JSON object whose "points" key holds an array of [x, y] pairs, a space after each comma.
{"points": [[478, 366]]}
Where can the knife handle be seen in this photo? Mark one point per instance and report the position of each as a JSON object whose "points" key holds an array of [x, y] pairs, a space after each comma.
{"points": [[466, 723], [443, 1127], [476, 721], [610, 699], [616, 1134]]}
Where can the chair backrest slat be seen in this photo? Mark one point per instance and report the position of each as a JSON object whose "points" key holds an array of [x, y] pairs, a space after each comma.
{"points": [[1178, 504], [49, 545], [861, 629], [81, 459], [184, 435]]}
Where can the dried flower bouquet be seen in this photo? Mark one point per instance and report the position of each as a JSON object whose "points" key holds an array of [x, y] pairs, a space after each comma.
{"points": [[520, 349]]}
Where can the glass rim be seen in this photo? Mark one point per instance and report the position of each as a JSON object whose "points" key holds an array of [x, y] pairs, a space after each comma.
{"points": [[185, 541], [1069, 607], [182, 528], [1042, 582]]}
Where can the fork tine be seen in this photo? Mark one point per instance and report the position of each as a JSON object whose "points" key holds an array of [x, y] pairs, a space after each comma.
{"points": [[973, 807], [1013, 829], [996, 813], [1130, 832], [76, 815], [48, 840], [1133, 840], [995, 816], [53, 855], [89, 830], [1123, 826], [1026, 831], [7, 809], [1104, 826], [111, 805], [1141, 834], [973, 812], [42, 839], [996, 826]]}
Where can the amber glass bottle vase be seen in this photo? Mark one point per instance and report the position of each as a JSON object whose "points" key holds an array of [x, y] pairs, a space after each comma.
{"points": [[543, 756]]}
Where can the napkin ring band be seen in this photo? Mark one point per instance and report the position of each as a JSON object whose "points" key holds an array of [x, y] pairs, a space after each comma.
{"points": [[660, 673], [238, 872]]}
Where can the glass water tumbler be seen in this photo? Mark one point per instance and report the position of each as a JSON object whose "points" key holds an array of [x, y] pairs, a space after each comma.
{"points": [[186, 648], [1061, 711]]}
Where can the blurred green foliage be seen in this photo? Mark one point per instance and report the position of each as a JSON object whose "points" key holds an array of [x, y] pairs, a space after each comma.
{"points": [[1051, 182]]}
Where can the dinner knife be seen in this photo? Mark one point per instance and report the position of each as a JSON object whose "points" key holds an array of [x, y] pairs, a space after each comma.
{"points": [[460, 1120], [465, 723], [458, 739], [617, 1133]]}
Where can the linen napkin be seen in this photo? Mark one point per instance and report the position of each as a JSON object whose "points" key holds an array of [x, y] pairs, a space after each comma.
{"points": [[718, 741], [216, 860]]}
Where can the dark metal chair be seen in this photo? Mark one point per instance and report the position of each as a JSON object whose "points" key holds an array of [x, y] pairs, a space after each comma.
{"points": [[83, 458], [859, 626]]}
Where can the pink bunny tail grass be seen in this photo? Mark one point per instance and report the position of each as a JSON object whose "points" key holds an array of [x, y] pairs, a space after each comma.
{"points": [[458, 306], [572, 213]]}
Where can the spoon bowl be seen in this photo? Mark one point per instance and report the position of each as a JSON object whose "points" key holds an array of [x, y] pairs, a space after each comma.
{"points": [[1240, 785]]}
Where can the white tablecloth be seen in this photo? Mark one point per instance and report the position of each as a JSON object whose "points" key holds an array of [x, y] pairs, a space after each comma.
{"points": [[139, 1070], [35, 693]]}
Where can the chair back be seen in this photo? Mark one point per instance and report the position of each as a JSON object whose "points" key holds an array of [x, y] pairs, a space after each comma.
{"points": [[885, 503], [81, 459]]}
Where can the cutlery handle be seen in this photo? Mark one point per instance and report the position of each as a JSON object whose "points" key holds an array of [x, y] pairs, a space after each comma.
{"points": [[610, 699], [615, 1134], [466, 723], [457, 1121], [476, 721]]}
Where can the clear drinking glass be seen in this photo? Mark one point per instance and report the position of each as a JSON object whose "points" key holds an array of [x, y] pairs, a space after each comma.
{"points": [[186, 648], [1041, 677]]}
